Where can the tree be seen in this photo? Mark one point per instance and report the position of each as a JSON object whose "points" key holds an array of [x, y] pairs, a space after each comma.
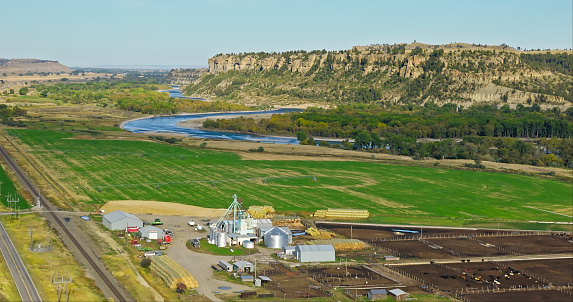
{"points": [[145, 262], [4, 74], [301, 135], [23, 90]]}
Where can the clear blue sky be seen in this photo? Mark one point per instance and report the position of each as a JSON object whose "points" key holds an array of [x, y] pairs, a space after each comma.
{"points": [[188, 32]]}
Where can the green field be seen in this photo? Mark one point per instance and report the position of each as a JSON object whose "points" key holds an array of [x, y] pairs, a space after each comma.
{"points": [[102, 170], [8, 192]]}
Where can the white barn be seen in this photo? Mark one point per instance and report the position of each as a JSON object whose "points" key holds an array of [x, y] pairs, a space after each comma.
{"points": [[119, 220], [315, 253], [151, 232]]}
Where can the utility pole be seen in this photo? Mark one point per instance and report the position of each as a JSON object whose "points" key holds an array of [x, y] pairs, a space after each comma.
{"points": [[31, 240], [58, 283]]}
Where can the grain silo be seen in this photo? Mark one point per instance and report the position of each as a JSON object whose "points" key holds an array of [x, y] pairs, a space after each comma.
{"points": [[276, 238], [221, 239]]}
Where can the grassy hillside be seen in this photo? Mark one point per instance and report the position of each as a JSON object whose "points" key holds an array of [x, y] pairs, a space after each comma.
{"points": [[101, 170], [391, 73]]}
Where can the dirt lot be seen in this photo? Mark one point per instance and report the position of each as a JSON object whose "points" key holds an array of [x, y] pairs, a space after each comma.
{"points": [[415, 249], [558, 271], [531, 245], [468, 247], [460, 276], [347, 276], [160, 208], [524, 296], [289, 285], [372, 233]]}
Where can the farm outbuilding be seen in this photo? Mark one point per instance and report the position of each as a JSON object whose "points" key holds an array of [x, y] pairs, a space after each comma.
{"points": [[151, 232], [377, 294], [398, 294], [315, 253], [243, 267], [119, 220]]}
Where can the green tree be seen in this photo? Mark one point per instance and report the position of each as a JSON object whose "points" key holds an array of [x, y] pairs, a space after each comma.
{"points": [[301, 135], [23, 90]]}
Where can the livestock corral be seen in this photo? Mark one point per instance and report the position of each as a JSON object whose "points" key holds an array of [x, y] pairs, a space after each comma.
{"points": [[288, 283], [347, 276], [474, 264]]}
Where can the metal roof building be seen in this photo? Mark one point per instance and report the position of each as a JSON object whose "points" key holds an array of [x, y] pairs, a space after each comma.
{"points": [[377, 294], [315, 253], [398, 294], [151, 232], [243, 267], [118, 220]]}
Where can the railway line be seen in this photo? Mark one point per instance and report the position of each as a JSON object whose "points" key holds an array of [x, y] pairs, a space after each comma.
{"points": [[105, 278]]}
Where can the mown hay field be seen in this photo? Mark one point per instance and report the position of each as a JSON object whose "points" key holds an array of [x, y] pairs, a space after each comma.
{"points": [[96, 171]]}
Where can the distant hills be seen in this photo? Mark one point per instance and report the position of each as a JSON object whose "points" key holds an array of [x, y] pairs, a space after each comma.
{"points": [[24, 66], [401, 73]]}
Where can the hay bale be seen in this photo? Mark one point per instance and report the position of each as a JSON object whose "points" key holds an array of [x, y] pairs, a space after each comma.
{"points": [[172, 273], [261, 212], [342, 244]]}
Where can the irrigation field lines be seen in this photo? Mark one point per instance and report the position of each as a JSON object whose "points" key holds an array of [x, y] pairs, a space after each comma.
{"points": [[105, 169]]}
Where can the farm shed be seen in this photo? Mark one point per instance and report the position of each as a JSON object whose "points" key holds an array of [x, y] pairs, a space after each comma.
{"points": [[119, 220], [277, 237], [315, 253], [151, 232], [289, 250], [262, 223], [243, 267], [377, 294], [247, 278], [398, 294]]}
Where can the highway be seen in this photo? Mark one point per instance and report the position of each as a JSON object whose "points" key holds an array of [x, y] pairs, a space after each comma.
{"points": [[26, 287]]}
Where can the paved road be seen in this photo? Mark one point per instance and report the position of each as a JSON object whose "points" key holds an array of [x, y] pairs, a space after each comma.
{"points": [[26, 288]]}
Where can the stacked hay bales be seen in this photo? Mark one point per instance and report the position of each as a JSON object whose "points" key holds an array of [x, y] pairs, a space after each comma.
{"points": [[316, 233], [172, 273], [342, 244], [261, 212], [343, 213]]}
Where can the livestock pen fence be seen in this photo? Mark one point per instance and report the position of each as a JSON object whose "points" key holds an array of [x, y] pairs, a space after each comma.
{"points": [[443, 248], [568, 290], [423, 283], [500, 248], [462, 236], [524, 273]]}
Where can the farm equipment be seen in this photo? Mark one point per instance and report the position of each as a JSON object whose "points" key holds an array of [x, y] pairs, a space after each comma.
{"points": [[157, 221]]}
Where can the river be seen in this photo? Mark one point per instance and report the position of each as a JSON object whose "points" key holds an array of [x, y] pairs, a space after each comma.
{"points": [[169, 124]]}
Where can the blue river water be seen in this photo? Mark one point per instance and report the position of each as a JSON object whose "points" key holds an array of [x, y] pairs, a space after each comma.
{"points": [[168, 124]]}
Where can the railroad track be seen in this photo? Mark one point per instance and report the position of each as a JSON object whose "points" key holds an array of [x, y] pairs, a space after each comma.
{"points": [[117, 293]]}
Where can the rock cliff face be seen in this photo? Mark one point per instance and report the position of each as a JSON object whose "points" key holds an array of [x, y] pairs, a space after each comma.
{"points": [[460, 73], [23, 66]]}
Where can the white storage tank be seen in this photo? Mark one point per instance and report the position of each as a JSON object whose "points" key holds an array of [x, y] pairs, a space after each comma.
{"points": [[221, 239], [248, 244]]}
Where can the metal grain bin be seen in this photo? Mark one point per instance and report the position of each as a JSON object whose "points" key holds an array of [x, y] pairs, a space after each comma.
{"points": [[276, 238], [221, 239]]}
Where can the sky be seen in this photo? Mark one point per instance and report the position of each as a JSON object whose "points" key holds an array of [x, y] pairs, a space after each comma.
{"points": [[83, 33]]}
